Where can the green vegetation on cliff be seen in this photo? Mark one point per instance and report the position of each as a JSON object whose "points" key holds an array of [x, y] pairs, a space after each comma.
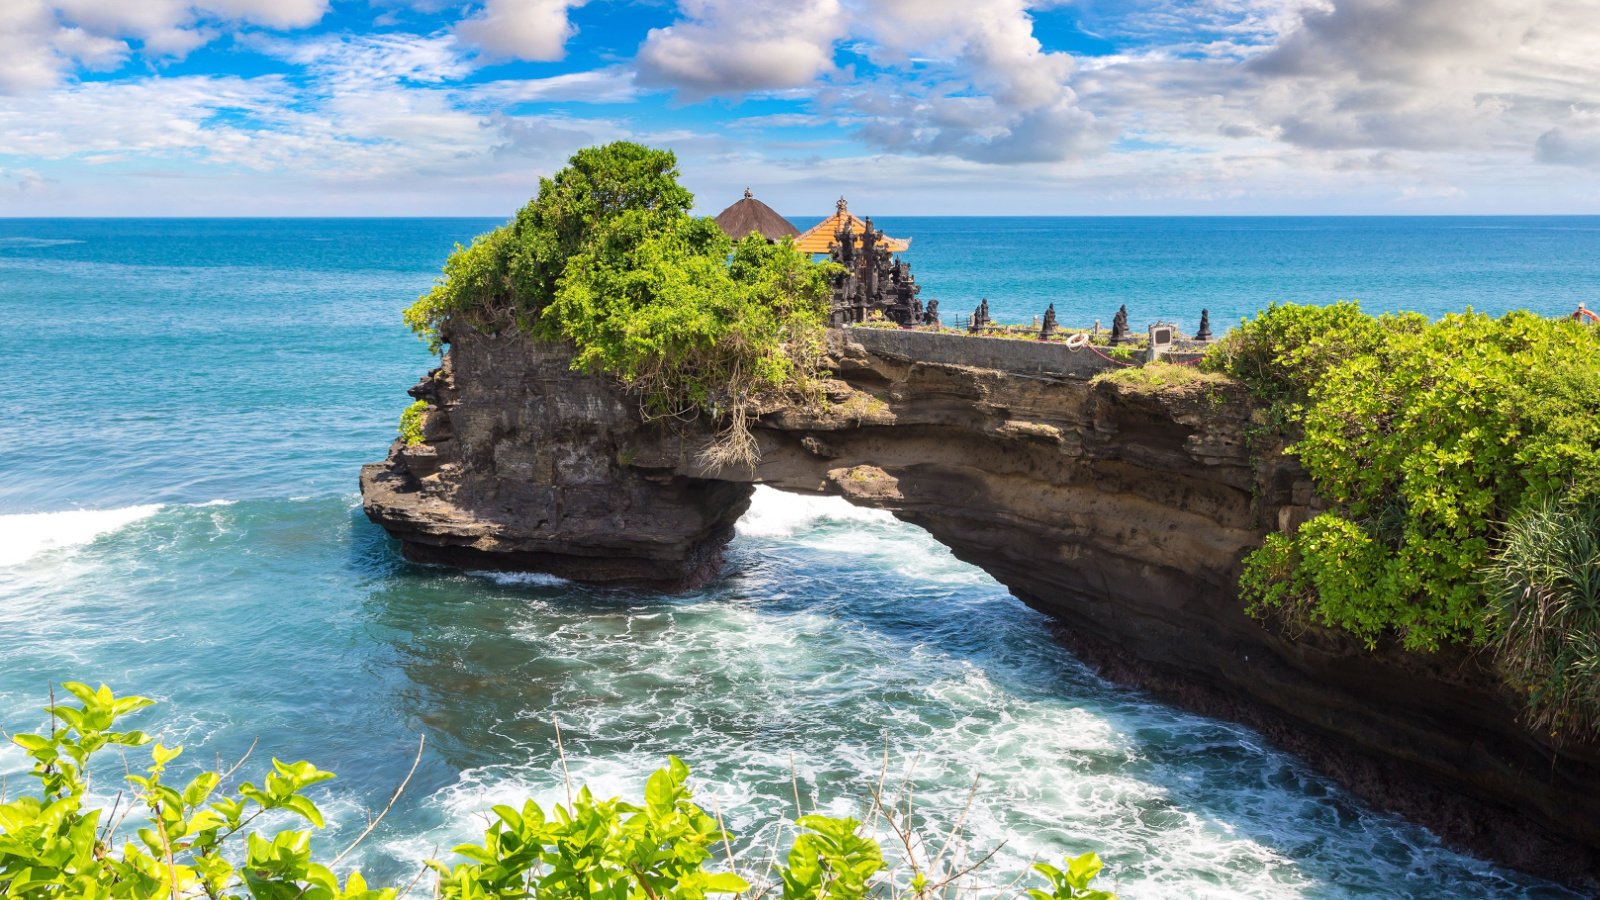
{"points": [[411, 422], [607, 257], [205, 837], [1431, 443]]}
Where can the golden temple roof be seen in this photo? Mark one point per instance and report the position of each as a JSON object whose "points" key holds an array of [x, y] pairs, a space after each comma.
{"points": [[817, 238]]}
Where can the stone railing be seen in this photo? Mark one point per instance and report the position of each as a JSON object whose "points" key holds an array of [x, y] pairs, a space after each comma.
{"points": [[1018, 356]]}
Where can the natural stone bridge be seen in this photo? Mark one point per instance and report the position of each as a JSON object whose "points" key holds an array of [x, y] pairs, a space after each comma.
{"points": [[1124, 512]]}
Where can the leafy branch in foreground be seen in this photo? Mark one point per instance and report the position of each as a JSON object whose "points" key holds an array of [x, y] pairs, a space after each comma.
{"points": [[199, 841]]}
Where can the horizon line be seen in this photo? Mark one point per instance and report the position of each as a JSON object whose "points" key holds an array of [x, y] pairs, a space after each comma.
{"points": [[246, 218]]}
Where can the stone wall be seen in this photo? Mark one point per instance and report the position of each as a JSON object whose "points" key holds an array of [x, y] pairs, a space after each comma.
{"points": [[1015, 356]]}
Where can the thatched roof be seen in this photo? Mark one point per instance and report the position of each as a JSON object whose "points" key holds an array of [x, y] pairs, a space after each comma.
{"points": [[749, 215], [819, 236]]}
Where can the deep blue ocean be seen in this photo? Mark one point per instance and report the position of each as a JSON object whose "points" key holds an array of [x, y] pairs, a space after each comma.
{"points": [[187, 403]]}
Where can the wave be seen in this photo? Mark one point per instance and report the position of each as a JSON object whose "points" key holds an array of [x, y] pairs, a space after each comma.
{"points": [[26, 535], [537, 579], [774, 513], [36, 242]]}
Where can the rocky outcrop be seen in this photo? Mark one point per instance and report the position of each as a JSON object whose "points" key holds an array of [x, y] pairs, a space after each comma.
{"points": [[1122, 511], [526, 466]]}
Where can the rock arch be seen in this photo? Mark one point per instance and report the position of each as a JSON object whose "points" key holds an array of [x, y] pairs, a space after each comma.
{"points": [[1122, 511]]}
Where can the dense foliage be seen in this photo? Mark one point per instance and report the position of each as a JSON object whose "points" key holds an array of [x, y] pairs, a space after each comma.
{"points": [[1424, 438], [607, 257], [203, 840]]}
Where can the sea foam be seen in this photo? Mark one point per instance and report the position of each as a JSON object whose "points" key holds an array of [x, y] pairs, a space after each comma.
{"points": [[26, 535], [774, 513]]}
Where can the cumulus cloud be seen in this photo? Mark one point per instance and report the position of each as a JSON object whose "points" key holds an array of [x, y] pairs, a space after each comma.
{"points": [[176, 27], [280, 14], [42, 40], [733, 47], [1566, 146], [21, 179], [954, 77], [521, 29], [37, 50], [975, 83], [1429, 74]]}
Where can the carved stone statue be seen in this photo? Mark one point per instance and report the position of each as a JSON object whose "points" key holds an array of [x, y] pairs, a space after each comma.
{"points": [[930, 316], [980, 316], [874, 282], [1119, 326], [1048, 329], [1204, 334]]}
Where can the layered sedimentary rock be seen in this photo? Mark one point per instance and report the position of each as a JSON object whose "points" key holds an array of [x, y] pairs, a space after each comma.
{"points": [[1124, 512], [526, 466]]}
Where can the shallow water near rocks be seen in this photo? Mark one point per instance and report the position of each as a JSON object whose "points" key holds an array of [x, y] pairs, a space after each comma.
{"points": [[189, 405]]}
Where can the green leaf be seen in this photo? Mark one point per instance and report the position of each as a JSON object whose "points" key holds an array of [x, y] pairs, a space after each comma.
{"points": [[725, 883]]}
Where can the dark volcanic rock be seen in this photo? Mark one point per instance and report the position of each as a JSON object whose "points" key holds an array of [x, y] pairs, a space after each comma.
{"points": [[523, 467], [1122, 512]]}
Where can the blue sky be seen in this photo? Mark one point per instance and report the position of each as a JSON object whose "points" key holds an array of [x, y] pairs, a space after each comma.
{"points": [[1056, 107]]}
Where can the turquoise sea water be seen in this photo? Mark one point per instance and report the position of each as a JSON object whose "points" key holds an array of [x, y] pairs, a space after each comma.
{"points": [[187, 403]]}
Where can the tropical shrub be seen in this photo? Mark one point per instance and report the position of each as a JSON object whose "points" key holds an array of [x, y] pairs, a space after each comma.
{"points": [[202, 839], [1424, 438], [1544, 590], [607, 258], [1287, 349]]}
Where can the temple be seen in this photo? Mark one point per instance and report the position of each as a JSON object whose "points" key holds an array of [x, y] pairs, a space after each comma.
{"points": [[874, 285]]}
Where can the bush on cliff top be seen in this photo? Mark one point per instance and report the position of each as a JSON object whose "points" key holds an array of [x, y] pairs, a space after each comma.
{"points": [[608, 258], [1424, 438], [207, 838]]}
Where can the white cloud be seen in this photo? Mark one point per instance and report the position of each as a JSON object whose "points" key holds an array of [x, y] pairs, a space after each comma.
{"points": [[1236, 105], [1566, 145], [521, 29], [280, 14], [1442, 75], [613, 84], [734, 47], [41, 40], [976, 83], [376, 58], [36, 50], [21, 179], [959, 77]]}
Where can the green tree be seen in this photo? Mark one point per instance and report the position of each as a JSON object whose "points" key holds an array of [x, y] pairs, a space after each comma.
{"points": [[608, 259]]}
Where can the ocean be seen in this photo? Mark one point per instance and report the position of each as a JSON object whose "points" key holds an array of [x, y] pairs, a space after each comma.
{"points": [[187, 405]]}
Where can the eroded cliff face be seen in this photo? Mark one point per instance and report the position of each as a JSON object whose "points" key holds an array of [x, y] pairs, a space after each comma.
{"points": [[525, 466], [1124, 513]]}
